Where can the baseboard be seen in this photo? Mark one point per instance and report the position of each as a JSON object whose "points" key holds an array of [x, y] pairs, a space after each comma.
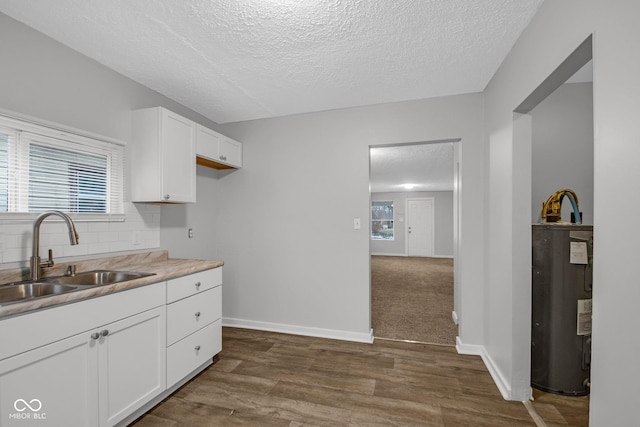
{"points": [[404, 255], [479, 350], [299, 330], [454, 316]]}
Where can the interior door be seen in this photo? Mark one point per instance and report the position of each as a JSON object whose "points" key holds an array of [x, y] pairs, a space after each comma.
{"points": [[420, 227]]}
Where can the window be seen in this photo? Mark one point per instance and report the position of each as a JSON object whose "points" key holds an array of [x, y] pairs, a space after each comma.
{"points": [[382, 220], [42, 169]]}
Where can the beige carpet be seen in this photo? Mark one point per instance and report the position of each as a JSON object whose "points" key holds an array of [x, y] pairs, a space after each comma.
{"points": [[412, 299]]}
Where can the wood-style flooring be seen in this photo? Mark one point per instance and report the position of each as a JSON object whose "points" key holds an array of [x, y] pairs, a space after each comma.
{"points": [[268, 379]]}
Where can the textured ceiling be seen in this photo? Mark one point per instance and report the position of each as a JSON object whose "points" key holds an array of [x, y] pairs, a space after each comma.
{"points": [[428, 167], [237, 60]]}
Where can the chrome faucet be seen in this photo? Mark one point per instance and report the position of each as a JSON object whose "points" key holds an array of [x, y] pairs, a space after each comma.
{"points": [[35, 263]]}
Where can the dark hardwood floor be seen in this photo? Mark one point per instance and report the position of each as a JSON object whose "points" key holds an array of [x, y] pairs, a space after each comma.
{"points": [[269, 379]]}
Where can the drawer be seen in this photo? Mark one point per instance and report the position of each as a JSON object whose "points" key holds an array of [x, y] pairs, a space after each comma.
{"points": [[186, 316], [189, 353], [192, 284]]}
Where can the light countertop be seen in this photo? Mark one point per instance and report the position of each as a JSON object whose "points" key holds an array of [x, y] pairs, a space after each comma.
{"points": [[157, 262]]}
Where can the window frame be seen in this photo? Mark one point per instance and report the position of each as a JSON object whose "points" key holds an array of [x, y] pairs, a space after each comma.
{"points": [[372, 220], [38, 131]]}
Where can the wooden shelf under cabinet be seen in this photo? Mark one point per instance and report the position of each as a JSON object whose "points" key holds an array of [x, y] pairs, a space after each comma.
{"points": [[211, 164]]}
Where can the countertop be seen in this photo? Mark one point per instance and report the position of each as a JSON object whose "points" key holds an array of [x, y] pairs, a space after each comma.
{"points": [[157, 262]]}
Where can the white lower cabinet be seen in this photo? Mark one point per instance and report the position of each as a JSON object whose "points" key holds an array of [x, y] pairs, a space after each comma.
{"points": [[106, 360], [194, 323], [95, 378], [56, 384], [131, 364]]}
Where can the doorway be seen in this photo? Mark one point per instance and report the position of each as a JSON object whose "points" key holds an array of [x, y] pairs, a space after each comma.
{"points": [[553, 149], [413, 194]]}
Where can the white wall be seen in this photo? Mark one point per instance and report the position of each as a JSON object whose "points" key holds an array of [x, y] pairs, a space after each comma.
{"points": [[44, 79], [562, 149], [557, 29], [443, 223], [292, 258]]}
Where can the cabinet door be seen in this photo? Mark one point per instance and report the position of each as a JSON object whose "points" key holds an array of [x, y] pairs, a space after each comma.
{"points": [[132, 364], [207, 142], [230, 152], [56, 384], [177, 140]]}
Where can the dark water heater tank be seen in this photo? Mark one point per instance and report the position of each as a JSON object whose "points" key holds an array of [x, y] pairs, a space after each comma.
{"points": [[561, 308]]}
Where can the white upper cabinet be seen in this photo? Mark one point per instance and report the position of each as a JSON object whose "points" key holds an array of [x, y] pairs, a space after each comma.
{"points": [[163, 157], [216, 150]]}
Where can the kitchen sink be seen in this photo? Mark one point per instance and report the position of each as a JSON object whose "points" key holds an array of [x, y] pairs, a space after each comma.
{"points": [[15, 292], [98, 277], [27, 290]]}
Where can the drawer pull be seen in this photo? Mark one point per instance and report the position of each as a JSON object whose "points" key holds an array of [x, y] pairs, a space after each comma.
{"points": [[197, 347], [104, 332], [95, 336], [198, 285], [197, 314]]}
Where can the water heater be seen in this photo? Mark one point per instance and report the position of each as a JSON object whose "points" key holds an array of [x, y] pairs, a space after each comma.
{"points": [[562, 264]]}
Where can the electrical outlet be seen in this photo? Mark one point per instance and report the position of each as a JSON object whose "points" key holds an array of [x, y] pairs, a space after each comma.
{"points": [[191, 233], [136, 237], [356, 223]]}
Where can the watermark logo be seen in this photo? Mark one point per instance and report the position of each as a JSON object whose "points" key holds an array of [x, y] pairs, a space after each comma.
{"points": [[30, 410], [21, 405]]}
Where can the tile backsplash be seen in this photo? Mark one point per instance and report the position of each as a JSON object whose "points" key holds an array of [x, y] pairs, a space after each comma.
{"points": [[139, 230]]}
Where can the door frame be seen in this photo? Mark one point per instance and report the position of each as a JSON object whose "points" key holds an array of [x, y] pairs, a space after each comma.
{"points": [[432, 225]]}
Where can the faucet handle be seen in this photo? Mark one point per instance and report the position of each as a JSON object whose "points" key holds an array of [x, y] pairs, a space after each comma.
{"points": [[49, 262]]}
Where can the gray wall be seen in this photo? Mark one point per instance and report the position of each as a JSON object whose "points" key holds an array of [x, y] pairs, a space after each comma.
{"points": [[285, 225], [562, 149], [443, 223]]}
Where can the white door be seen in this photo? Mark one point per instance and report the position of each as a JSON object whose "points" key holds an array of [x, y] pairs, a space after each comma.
{"points": [[420, 227]]}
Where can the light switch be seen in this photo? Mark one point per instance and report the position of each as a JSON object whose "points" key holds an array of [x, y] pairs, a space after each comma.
{"points": [[356, 223]]}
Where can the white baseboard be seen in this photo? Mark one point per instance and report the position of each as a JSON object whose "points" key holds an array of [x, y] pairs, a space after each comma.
{"points": [[404, 255], [299, 330], [454, 316], [479, 350]]}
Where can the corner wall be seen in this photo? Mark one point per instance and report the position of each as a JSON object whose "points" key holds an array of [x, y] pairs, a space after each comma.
{"points": [[558, 29], [292, 258]]}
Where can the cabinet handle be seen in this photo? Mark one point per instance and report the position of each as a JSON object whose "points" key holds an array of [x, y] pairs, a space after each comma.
{"points": [[197, 314], [95, 336], [198, 285], [197, 348], [223, 158], [167, 196], [104, 332]]}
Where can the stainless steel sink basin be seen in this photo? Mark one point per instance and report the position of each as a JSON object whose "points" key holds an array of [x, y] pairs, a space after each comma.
{"points": [[98, 277], [16, 292]]}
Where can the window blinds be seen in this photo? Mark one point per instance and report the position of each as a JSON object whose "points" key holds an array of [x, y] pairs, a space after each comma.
{"points": [[44, 169]]}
